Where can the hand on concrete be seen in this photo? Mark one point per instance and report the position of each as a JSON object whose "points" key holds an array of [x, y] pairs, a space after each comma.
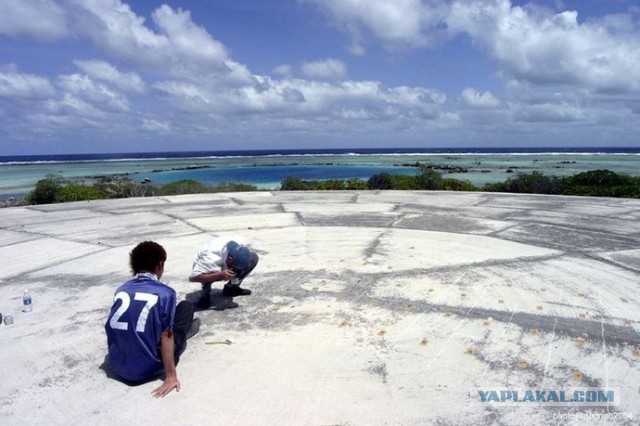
{"points": [[167, 386]]}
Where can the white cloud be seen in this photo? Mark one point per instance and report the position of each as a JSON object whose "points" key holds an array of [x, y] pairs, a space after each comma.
{"points": [[42, 20], [325, 69], [116, 29], [398, 23], [472, 98], [306, 100], [17, 85], [185, 96], [548, 113], [103, 71], [292, 95], [155, 126], [551, 48], [97, 94], [176, 45], [529, 43], [189, 45], [71, 111], [170, 77], [284, 70], [346, 100]]}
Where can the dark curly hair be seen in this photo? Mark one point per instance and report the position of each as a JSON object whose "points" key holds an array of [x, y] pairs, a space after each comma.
{"points": [[146, 256]]}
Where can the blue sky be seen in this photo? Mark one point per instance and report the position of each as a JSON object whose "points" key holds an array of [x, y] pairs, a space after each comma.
{"points": [[85, 76]]}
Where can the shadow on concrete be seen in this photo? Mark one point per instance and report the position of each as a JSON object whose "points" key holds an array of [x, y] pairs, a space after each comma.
{"points": [[218, 301], [113, 376]]}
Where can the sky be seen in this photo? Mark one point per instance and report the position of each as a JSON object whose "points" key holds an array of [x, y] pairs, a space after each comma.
{"points": [[101, 76]]}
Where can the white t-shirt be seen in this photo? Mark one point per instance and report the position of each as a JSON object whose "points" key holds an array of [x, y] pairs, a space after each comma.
{"points": [[213, 256]]}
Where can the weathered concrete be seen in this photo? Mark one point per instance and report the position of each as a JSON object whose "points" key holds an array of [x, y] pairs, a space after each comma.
{"points": [[368, 308]]}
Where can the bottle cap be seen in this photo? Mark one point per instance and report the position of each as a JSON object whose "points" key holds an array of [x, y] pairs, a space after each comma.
{"points": [[8, 320]]}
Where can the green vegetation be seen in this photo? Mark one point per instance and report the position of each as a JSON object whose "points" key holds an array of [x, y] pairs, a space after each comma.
{"points": [[231, 187], [426, 179], [598, 183], [187, 186], [529, 183], [292, 183], [124, 188], [190, 186], [46, 190], [594, 183], [77, 192], [449, 184], [56, 189], [602, 183]]}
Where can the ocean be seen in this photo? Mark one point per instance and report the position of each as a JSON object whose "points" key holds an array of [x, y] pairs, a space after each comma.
{"points": [[267, 169]]}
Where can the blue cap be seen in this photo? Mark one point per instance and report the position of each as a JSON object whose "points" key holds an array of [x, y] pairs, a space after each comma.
{"points": [[241, 255]]}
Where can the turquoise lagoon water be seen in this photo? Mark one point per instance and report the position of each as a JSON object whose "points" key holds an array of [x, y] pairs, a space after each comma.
{"points": [[18, 175]]}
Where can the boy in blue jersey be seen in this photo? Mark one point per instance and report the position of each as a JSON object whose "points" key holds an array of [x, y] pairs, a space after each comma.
{"points": [[146, 331]]}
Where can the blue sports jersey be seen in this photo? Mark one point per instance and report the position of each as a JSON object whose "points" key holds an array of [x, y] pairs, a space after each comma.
{"points": [[142, 309]]}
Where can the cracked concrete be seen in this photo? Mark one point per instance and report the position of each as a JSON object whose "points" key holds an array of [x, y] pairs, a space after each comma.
{"points": [[369, 308]]}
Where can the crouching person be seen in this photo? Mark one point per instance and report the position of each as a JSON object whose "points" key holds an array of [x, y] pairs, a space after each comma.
{"points": [[146, 331], [219, 260]]}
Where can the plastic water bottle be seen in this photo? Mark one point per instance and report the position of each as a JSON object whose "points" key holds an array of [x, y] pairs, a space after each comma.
{"points": [[26, 302]]}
